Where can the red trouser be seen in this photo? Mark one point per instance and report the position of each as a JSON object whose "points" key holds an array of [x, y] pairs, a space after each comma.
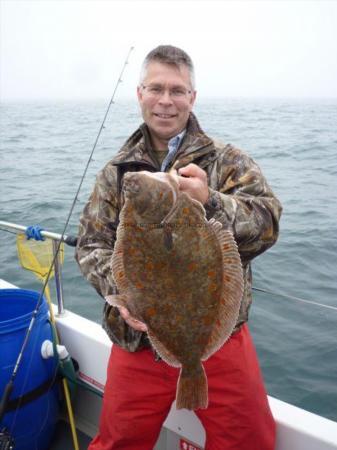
{"points": [[139, 393]]}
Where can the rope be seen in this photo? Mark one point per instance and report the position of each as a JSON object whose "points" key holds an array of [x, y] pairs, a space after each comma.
{"points": [[291, 297], [8, 231]]}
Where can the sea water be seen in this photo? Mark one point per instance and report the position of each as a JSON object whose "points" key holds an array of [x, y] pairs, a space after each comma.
{"points": [[44, 150]]}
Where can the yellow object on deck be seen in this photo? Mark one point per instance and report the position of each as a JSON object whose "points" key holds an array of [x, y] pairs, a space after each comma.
{"points": [[37, 257]]}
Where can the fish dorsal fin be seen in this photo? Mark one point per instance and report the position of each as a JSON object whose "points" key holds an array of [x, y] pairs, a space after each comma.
{"points": [[162, 351], [117, 264], [232, 292]]}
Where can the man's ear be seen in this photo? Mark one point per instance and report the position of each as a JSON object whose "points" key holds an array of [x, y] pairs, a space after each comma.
{"points": [[193, 97], [139, 93]]}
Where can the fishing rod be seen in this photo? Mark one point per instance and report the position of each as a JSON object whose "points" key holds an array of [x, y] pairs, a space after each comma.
{"points": [[10, 385]]}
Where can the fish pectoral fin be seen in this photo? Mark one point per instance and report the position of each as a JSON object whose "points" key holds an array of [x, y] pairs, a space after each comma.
{"points": [[116, 300]]}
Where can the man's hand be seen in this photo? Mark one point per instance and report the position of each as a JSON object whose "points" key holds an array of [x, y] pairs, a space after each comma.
{"points": [[133, 323], [193, 181]]}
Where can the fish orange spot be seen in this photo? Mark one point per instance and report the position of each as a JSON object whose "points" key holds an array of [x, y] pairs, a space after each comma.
{"points": [[161, 195], [192, 266], [139, 285], [212, 287], [149, 266], [150, 312], [186, 210], [207, 320], [211, 273]]}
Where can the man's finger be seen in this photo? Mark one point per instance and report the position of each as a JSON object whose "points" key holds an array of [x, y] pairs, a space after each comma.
{"points": [[123, 312], [192, 170], [137, 325], [134, 323], [193, 181]]}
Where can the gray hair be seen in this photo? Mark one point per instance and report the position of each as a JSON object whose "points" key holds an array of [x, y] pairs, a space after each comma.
{"points": [[167, 54]]}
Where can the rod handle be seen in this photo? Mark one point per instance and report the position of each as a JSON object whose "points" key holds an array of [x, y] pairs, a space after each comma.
{"points": [[71, 240], [5, 398]]}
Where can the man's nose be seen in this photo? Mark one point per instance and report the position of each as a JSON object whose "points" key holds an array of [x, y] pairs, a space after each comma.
{"points": [[165, 97]]}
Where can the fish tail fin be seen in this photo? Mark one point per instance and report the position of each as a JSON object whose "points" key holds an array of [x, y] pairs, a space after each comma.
{"points": [[192, 389]]}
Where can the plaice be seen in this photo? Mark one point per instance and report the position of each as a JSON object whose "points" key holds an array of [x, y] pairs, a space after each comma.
{"points": [[179, 274]]}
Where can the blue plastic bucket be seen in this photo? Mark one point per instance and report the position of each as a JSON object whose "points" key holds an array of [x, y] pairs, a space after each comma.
{"points": [[32, 424]]}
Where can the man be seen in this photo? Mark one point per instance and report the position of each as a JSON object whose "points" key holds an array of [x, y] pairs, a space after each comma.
{"points": [[140, 387]]}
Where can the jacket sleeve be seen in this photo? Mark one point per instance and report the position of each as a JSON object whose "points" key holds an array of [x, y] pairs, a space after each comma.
{"points": [[242, 201], [95, 244], [97, 233]]}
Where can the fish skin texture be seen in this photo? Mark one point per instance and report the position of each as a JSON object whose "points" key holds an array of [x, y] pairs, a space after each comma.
{"points": [[179, 274]]}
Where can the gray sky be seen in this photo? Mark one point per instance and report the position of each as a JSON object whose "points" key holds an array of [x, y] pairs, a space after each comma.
{"points": [[75, 49]]}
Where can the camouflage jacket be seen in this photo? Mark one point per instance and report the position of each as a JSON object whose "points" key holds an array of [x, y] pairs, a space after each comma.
{"points": [[240, 199]]}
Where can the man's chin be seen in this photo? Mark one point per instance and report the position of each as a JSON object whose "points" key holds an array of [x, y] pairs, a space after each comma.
{"points": [[164, 133]]}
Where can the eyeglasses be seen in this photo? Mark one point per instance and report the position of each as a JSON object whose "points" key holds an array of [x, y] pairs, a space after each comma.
{"points": [[157, 91]]}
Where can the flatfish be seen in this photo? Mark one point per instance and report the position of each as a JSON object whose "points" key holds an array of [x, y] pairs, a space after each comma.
{"points": [[179, 274]]}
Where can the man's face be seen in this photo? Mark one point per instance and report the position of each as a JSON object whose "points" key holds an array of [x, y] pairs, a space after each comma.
{"points": [[166, 99]]}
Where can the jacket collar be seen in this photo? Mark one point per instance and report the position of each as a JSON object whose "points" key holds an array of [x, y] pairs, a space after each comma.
{"points": [[139, 148]]}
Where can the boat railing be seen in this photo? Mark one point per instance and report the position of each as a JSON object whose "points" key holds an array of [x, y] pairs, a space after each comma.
{"points": [[55, 238], [72, 240]]}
